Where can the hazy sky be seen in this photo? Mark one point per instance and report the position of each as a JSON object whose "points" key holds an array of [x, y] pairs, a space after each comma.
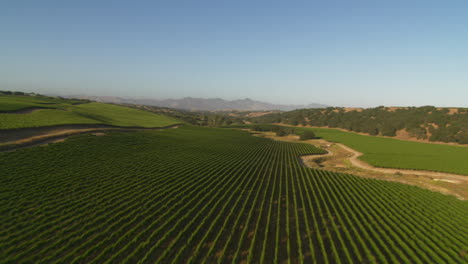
{"points": [[347, 53]]}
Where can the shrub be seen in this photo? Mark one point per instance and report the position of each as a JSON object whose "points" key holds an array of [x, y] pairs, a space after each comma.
{"points": [[281, 133], [307, 135]]}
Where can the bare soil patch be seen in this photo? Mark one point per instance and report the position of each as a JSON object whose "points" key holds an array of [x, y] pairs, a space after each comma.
{"points": [[394, 108], [451, 111], [349, 109], [445, 180]]}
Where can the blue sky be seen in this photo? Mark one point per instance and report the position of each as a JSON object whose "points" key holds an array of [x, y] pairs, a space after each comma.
{"points": [[346, 53]]}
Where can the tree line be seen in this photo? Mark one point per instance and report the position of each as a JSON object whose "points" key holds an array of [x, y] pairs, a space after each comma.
{"points": [[282, 131], [427, 122], [198, 118]]}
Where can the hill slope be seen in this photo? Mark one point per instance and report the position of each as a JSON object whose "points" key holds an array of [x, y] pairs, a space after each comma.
{"points": [[427, 123], [49, 112]]}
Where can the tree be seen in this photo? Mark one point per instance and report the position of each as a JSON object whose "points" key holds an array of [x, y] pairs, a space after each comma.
{"points": [[281, 133], [462, 137], [307, 135], [256, 128]]}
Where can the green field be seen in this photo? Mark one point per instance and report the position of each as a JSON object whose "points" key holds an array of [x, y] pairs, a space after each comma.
{"points": [[67, 112], [204, 195], [10, 103], [394, 153]]}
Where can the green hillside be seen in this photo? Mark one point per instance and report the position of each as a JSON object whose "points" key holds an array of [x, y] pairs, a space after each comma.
{"points": [[68, 112], [204, 195], [15, 103]]}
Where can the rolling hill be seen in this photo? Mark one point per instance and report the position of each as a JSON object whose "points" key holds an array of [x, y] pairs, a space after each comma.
{"points": [[43, 111]]}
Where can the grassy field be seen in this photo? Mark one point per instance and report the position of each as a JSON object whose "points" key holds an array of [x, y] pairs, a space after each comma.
{"points": [[10, 103], [204, 195], [67, 112], [394, 153]]}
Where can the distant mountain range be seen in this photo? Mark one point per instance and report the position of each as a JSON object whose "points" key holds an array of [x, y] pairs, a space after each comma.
{"points": [[202, 104]]}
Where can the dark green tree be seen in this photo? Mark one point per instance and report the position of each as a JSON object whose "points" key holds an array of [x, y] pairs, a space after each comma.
{"points": [[308, 134]]}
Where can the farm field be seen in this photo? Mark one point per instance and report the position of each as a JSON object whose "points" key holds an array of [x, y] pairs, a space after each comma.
{"points": [[394, 153], [205, 195], [11, 103], [68, 113]]}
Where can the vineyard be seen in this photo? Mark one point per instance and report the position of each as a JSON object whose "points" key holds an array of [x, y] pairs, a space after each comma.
{"points": [[204, 195], [394, 153]]}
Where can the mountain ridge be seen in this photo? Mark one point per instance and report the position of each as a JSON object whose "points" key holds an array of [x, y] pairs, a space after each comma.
{"points": [[203, 104]]}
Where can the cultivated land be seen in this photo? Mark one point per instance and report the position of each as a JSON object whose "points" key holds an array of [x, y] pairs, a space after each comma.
{"points": [[394, 153], [65, 112], [199, 195], [340, 158], [11, 103], [207, 195]]}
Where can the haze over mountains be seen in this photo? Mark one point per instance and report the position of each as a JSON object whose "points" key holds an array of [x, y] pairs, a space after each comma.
{"points": [[203, 104]]}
